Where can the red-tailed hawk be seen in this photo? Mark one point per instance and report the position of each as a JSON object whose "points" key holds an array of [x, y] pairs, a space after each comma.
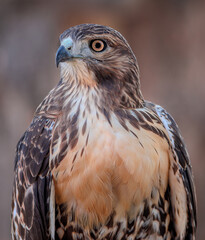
{"points": [[98, 161]]}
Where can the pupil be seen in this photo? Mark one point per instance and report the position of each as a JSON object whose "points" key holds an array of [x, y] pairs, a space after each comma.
{"points": [[98, 45]]}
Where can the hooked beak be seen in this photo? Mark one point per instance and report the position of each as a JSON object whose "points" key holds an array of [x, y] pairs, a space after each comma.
{"points": [[62, 55]]}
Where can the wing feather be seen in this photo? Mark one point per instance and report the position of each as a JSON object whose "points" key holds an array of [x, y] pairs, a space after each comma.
{"points": [[32, 182], [184, 171]]}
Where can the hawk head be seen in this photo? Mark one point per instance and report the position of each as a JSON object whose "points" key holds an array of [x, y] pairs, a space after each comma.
{"points": [[99, 57]]}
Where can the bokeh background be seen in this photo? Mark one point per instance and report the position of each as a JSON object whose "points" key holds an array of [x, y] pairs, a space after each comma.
{"points": [[168, 38]]}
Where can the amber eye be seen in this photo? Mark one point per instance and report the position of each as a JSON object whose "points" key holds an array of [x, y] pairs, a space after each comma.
{"points": [[98, 45]]}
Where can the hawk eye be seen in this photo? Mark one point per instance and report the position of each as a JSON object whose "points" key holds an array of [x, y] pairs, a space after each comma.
{"points": [[98, 45]]}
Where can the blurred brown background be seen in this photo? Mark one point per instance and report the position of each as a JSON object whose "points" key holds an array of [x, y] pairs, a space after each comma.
{"points": [[168, 38]]}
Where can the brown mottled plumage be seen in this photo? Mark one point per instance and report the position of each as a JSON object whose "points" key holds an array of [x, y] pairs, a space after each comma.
{"points": [[98, 161]]}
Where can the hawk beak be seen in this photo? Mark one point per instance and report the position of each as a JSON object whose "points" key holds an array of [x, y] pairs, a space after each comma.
{"points": [[62, 55]]}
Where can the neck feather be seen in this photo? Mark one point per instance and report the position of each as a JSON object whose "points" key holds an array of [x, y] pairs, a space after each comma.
{"points": [[116, 90]]}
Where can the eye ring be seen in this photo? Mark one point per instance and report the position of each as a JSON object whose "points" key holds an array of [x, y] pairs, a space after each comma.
{"points": [[98, 45]]}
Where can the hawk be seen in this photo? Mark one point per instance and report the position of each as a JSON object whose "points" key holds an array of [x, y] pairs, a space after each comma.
{"points": [[98, 161]]}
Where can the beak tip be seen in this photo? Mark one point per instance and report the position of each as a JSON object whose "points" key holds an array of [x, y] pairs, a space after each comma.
{"points": [[57, 59], [62, 55]]}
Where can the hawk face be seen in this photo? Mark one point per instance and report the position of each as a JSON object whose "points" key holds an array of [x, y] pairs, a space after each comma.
{"points": [[99, 56]]}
